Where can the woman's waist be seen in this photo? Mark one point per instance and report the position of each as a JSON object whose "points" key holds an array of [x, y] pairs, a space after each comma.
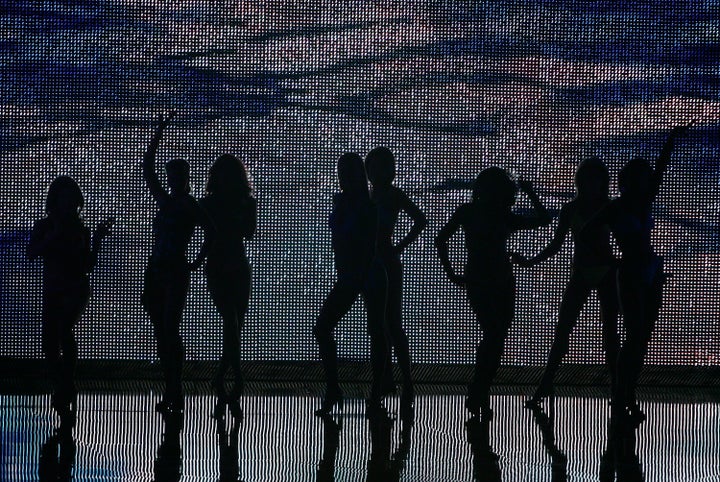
{"points": [[65, 281], [639, 258], [235, 262], [165, 262]]}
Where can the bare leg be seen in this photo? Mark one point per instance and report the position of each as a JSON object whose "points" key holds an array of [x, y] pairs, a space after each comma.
{"points": [[375, 296], [393, 316], [494, 306], [338, 302], [607, 295], [574, 298]]}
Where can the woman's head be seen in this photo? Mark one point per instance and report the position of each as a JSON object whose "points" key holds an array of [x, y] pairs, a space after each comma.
{"points": [[64, 196], [178, 175], [495, 186], [635, 177], [228, 176], [592, 179], [380, 166], [351, 174]]}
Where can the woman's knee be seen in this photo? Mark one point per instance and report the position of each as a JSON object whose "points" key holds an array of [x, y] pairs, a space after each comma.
{"points": [[67, 340], [322, 331]]}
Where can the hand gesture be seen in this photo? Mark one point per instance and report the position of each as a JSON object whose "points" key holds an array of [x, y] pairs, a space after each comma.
{"points": [[681, 130], [524, 185], [164, 121], [103, 229]]}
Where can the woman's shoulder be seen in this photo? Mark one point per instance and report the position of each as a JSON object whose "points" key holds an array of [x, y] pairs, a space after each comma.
{"points": [[468, 209], [42, 223], [248, 202]]}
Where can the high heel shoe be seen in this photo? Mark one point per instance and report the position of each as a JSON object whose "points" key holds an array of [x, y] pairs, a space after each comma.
{"points": [[539, 397], [332, 397], [407, 406], [169, 407], [635, 415], [374, 409], [219, 410], [218, 385], [65, 404], [477, 409], [235, 410]]}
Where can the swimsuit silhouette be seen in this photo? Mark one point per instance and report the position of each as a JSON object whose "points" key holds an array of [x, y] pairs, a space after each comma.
{"points": [[390, 201], [167, 276], [640, 274], [593, 269], [69, 253], [353, 224], [488, 222], [232, 209]]}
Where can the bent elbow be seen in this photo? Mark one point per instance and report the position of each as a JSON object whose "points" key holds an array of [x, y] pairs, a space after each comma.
{"points": [[422, 222]]}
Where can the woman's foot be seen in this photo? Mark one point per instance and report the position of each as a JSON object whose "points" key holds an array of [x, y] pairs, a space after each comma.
{"points": [[235, 410], [635, 415], [387, 387], [333, 396], [168, 406], [479, 408], [218, 385], [407, 405], [219, 410], [541, 393], [375, 409]]}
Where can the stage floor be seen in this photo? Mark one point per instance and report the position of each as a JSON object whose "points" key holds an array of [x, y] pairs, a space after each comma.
{"points": [[119, 436]]}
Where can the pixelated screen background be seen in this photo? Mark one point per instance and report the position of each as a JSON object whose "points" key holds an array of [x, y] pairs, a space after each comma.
{"points": [[450, 86]]}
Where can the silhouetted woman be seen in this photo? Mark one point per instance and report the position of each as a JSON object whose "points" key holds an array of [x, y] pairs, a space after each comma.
{"points": [[593, 269], [640, 275], [488, 222], [167, 276], [390, 200], [69, 254], [353, 224], [232, 209]]}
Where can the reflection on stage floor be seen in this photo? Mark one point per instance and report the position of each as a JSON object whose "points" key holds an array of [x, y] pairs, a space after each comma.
{"points": [[119, 436]]}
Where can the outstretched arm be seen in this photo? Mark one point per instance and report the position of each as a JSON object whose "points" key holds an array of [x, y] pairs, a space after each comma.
{"points": [[419, 221], [553, 247], [441, 243], [151, 179], [663, 160], [541, 216]]}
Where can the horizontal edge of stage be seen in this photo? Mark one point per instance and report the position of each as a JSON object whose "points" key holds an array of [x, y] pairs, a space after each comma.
{"points": [[14, 370]]}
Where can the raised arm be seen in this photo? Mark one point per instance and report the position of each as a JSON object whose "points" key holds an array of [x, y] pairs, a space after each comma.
{"points": [[555, 244], [149, 173], [541, 216], [663, 160], [441, 243], [419, 221]]}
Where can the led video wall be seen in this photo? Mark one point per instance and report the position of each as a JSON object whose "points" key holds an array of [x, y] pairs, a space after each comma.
{"points": [[451, 87]]}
